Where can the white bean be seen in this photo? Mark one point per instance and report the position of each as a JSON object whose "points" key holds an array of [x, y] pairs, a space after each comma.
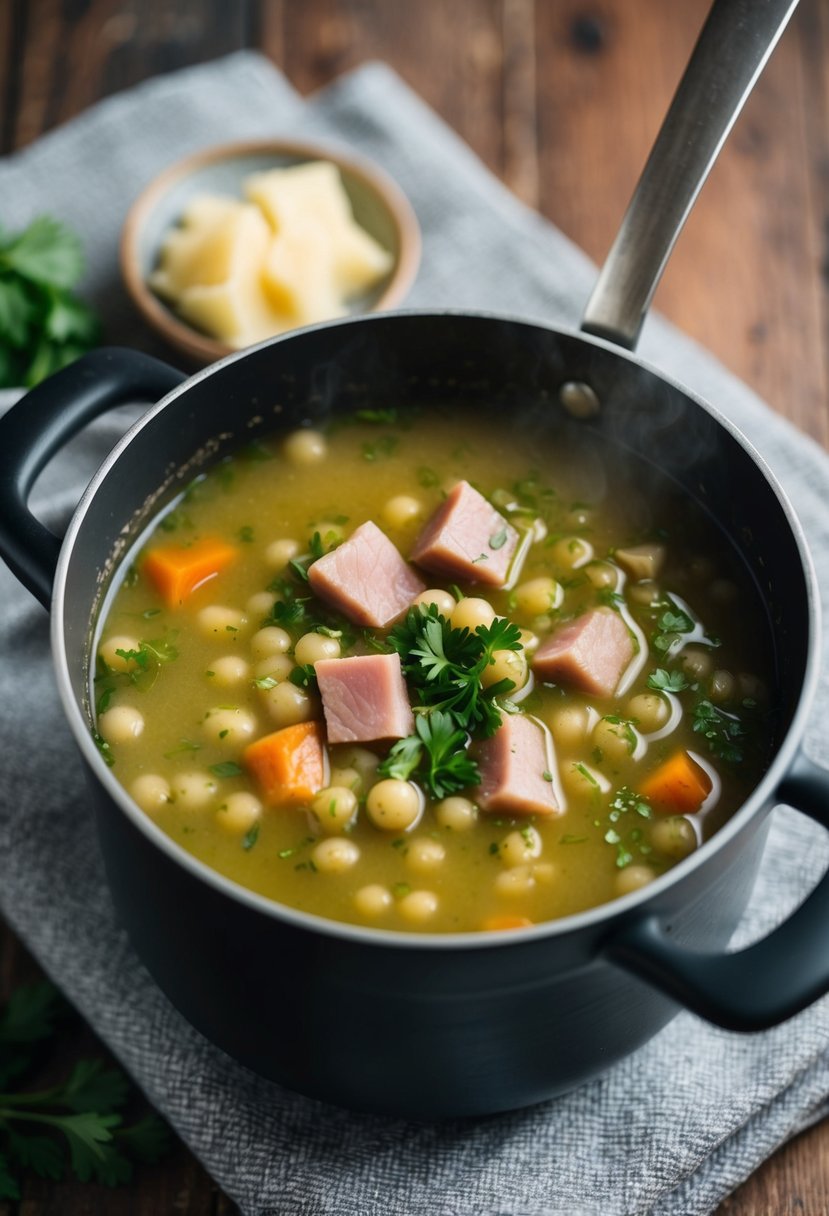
{"points": [[569, 725], [270, 640], [277, 666], [649, 710], [193, 789], [151, 791], [312, 647], [418, 906], [401, 510], [633, 878], [287, 704], [219, 621], [456, 813], [425, 855], [537, 596], [519, 848], [515, 882], [305, 447], [121, 724], [394, 806], [471, 612], [335, 854], [228, 669], [674, 836], [280, 552], [334, 808], [228, 725], [373, 900], [117, 662], [239, 812], [506, 665], [443, 600], [260, 604]]}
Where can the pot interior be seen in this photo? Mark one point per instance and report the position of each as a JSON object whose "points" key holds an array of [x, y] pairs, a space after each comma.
{"points": [[460, 363]]}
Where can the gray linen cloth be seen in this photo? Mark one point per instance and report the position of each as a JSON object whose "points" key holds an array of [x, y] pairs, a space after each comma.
{"points": [[672, 1129]]}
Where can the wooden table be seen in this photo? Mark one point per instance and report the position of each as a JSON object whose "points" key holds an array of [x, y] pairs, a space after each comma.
{"points": [[561, 98]]}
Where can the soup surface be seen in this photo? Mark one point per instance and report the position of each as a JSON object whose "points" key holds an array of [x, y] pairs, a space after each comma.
{"points": [[549, 733]]}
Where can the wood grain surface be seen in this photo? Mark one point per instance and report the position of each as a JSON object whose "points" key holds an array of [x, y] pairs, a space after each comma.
{"points": [[561, 98]]}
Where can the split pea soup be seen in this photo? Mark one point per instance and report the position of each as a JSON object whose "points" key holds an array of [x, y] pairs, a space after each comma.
{"points": [[415, 675]]}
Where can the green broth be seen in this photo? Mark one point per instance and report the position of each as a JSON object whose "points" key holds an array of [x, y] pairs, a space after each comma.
{"points": [[584, 502]]}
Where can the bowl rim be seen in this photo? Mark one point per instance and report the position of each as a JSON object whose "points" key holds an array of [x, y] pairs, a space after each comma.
{"points": [[204, 349], [757, 804]]}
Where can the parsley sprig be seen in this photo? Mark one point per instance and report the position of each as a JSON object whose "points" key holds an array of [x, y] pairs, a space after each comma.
{"points": [[444, 665], [439, 749], [662, 680], [723, 731], [78, 1114], [43, 326]]}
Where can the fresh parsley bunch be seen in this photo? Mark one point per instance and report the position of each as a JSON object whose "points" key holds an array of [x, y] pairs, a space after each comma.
{"points": [[43, 326], [78, 1114], [443, 666]]}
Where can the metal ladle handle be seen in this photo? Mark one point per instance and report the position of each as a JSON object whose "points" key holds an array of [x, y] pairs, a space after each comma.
{"points": [[736, 41]]}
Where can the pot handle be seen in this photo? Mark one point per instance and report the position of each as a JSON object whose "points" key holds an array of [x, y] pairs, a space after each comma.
{"points": [[766, 983], [35, 429]]}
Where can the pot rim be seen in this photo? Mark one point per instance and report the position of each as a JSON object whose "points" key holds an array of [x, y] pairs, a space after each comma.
{"points": [[761, 798]]}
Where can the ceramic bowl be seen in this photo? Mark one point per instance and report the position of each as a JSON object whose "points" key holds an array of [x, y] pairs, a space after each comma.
{"points": [[379, 206]]}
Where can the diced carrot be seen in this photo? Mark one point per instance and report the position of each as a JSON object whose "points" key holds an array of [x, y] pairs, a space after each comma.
{"points": [[678, 787], [289, 765], [506, 922], [177, 570]]}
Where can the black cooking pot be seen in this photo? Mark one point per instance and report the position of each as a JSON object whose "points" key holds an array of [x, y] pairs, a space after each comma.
{"points": [[428, 1024]]}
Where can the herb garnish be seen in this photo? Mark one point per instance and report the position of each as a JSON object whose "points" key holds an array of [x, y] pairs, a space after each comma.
{"points": [[78, 1113], [146, 662], [439, 750], [721, 729], [627, 840], [667, 681], [445, 665], [671, 624], [43, 326], [226, 768]]}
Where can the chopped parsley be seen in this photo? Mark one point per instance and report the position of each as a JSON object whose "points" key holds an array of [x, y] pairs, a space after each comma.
{"points": [[386, 417], [380, 449], [670, 626], [624, 833], [723, 731], [250, 837], [226, 768]]}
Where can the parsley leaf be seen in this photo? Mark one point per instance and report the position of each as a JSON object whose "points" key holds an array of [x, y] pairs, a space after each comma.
{"points": [[444, 665], [438, 749], [78, 1113], [42, 325], [721, 729], [667, 681]]}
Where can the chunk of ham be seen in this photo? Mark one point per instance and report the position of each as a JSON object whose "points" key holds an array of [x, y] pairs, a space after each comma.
{"points": [[364, 698], [589, 654], [467, 539], [517, 769], [366, 579]]}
